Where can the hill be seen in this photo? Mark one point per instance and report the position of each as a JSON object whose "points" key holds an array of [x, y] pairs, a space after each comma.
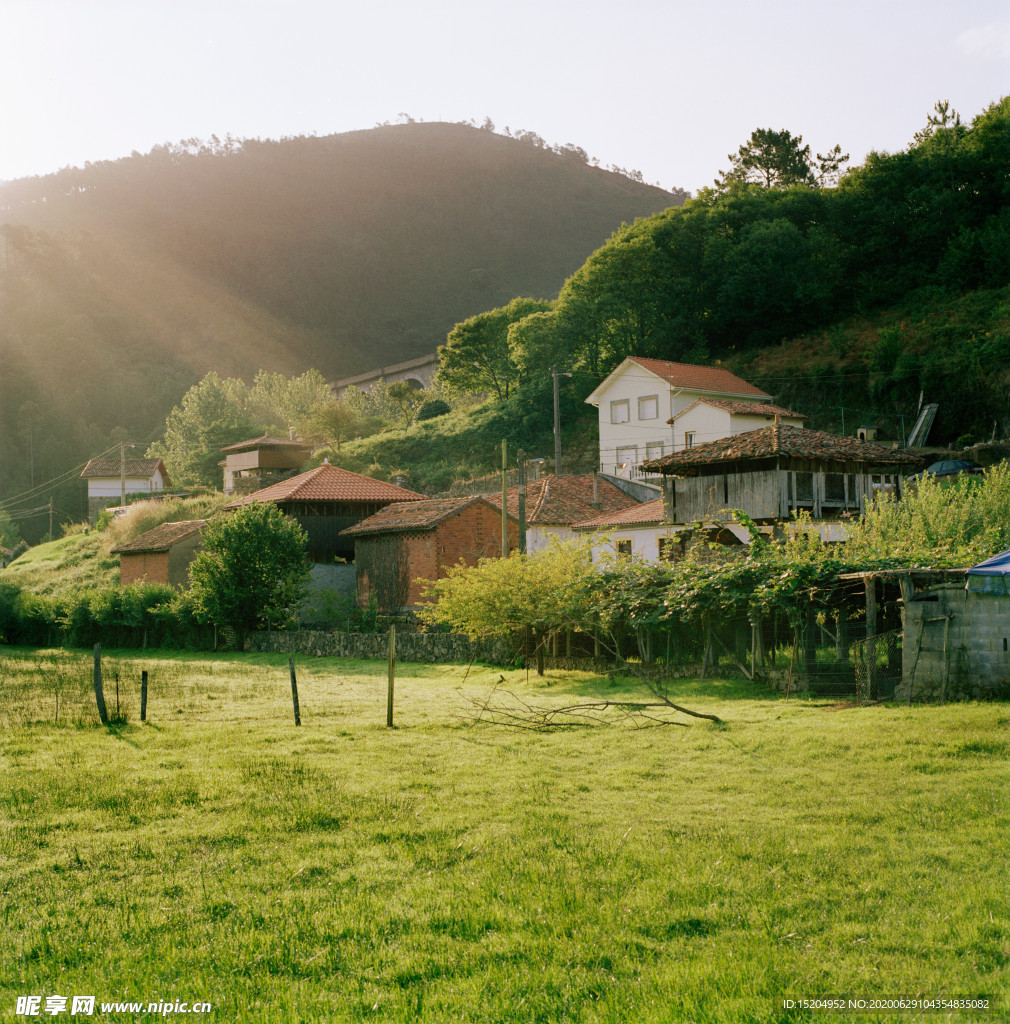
{"points": [[124, 282]]}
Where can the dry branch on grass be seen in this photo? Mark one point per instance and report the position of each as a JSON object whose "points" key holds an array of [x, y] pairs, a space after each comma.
{"points": [[504, 707]]}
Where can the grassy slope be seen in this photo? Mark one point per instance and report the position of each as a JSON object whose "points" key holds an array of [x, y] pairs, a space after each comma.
{"points": [[441, 872], [80, 560]]}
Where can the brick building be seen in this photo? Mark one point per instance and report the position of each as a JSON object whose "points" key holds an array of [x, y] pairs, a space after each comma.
{"points": [[408, 541], [161, 555]]}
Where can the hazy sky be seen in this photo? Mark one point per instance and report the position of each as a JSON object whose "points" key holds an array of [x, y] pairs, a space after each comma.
{"points": [[665, 86]]}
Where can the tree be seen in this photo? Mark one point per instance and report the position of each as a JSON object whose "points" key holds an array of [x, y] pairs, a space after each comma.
{"points": [[508, 597], [253, 567], [477, 357], [211, 415], [10, 535], [777, 159], [406, 398]]}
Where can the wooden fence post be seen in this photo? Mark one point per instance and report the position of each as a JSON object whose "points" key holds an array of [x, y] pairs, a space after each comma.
{"points": [[143, 696], [294, 691], [103, 714], [392, 673]]}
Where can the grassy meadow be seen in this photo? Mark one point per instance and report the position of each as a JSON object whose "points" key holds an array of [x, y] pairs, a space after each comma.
{"points": [[446, 871]]}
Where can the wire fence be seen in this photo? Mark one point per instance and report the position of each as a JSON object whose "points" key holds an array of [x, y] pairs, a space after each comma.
{"points": [[877, 661]]}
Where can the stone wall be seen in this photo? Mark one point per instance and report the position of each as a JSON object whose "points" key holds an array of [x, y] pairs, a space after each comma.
{"points": [[430, 648], [956, 646]]}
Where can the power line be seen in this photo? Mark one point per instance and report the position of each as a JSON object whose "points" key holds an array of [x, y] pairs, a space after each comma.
{"points": [[33, 492]]}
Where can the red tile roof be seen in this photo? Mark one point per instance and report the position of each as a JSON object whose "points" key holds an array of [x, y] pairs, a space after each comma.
{"points": [[407, 516], [770, 442], [700, 378], [329, 483], [649, 513], [563, 500], [161, 538], [742, 409], [266, 441], [136, 469]]}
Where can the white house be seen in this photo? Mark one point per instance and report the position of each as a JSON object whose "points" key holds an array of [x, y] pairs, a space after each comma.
{"points": [[710, 419], [109, 479], [642, 533], [639, 398]]}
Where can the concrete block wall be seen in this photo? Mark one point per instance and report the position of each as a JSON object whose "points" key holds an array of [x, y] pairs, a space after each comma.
{"points": [[976, 665]]}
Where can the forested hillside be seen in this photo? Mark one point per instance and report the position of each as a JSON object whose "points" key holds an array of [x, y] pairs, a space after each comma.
{"points": [[123, 283]]}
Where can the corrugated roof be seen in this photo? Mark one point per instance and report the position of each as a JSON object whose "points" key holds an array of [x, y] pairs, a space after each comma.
{"points": [[649, 513], [407, 516], [266, 441], [563, 500], [699, 378], [328, 483], [772, 441], [110, 469], [741, 409], [161, 538]]}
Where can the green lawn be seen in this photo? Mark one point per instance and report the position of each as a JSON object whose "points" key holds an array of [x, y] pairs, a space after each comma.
{"points": [[443, 871]]}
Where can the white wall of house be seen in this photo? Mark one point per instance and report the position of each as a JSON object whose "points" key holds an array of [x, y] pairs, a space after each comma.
{"points": [[708, 423], [111, 487], [634, 405], [642, 542], [539, 537]]}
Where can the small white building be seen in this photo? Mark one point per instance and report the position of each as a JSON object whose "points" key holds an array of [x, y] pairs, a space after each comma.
{"points": [[637, 401], [109, 479], [711, 419]]}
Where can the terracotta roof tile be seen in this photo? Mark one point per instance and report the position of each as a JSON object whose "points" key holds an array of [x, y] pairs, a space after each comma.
{"points": [[161, 538], [742, 408], [772, 441], [563, 500], [649, 513], [700, 378], [328, 483], [109, 469], [407, 516]]}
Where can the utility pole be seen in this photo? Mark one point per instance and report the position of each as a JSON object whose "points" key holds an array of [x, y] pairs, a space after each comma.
{"points": [[557, 422], [504, 501], [521, 463], [51, 517], [122, 473]]}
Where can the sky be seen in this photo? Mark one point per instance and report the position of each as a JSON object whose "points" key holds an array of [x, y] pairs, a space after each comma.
{"points": [[667, 87]]}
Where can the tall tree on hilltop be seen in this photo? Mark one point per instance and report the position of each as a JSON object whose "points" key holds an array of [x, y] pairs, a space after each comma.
{"points": [[778, 159]]}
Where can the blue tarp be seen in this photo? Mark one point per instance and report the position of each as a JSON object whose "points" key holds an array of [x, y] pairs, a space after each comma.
{"points": [[991, 576]]}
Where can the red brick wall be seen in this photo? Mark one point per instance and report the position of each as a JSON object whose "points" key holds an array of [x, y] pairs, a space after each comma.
{"points": [[473, 533], [152, 567]]}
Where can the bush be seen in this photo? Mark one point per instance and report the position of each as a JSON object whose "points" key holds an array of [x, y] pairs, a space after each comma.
{"points": [[432, 408]]}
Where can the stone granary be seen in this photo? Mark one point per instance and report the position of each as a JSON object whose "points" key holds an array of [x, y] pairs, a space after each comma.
{"points": [[775, 471]]}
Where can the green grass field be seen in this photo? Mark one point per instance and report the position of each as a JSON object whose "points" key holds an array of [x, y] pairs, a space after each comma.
{"points": [[443, 871]]}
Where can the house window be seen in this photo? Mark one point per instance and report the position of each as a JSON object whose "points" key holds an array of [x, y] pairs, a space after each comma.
{"points": [[648, 408], [668, 547], [624, 549], [654, 451], [689, 439], [627, 457], [620, 411]]}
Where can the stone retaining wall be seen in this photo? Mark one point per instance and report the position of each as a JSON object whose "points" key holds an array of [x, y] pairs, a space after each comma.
{"points": [[423, 647]]}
